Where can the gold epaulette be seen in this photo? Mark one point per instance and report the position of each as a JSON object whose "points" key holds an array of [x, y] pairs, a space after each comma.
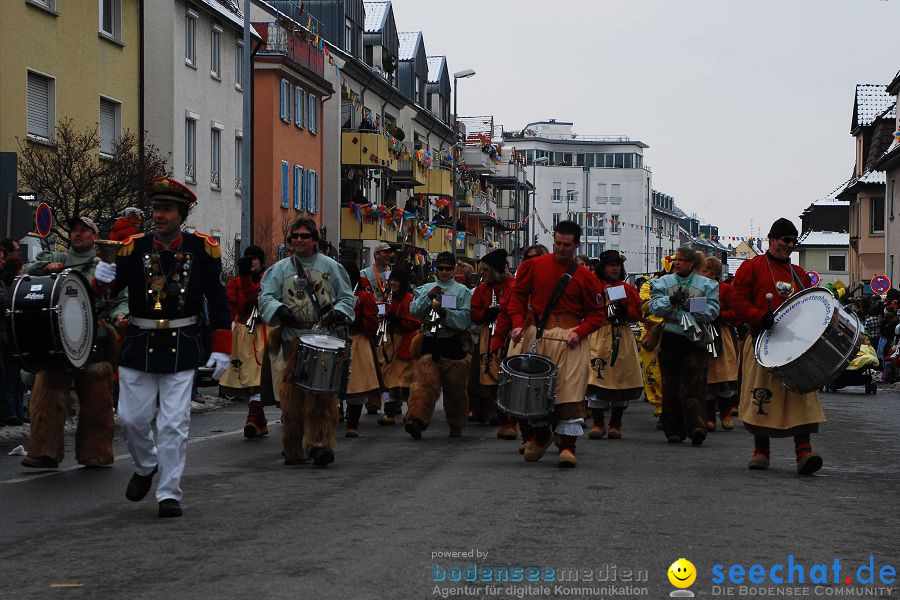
{"points": [[128, 244], [210, 245]]}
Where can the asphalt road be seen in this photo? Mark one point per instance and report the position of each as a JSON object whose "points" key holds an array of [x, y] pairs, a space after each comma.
{"points": [[380, 521]]}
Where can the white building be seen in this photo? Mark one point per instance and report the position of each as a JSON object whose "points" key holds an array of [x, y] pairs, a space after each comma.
{"points": [[601, 182], [193, 105]]}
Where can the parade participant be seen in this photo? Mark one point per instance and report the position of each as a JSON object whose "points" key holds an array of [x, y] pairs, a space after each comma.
{"points": [[615, 374], [566, 326], [767, 408], [50, 396], [464, 274], [168, 273], [364, 375], [127, 225], [395, 353], [377, 275], [651, 335], [687, 301], [494, 286], [443, 362], [299, 292], [722, 374], [248, 341]]}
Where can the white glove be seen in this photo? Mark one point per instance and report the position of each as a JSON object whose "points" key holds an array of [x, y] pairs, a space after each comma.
{"points": [[105, 272], [220, 362]]}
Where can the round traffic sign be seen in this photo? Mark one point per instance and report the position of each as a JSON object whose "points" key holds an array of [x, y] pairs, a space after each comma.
{"points": [[881, 284], [43, 219], [814, 277]]}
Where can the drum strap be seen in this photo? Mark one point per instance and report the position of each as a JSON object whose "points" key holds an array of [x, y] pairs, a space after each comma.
{"points": [[314, 300], [557, 294]]}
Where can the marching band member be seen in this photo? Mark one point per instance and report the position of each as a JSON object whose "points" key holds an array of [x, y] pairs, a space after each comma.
{"points": [[49, 402], [576, 315], [299, 292], [248, 341], [396, 349], [767, 408], [168, 273], [443, 364], [495, 283], [651, 335], [722, 375], [364, 377], [687, 301], [378, 275], [615, 367]]}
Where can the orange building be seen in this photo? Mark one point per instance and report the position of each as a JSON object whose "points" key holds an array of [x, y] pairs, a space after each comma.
{"points": [[289, 89]]}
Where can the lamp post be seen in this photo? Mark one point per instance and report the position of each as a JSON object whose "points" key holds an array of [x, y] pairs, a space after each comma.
{"points": [[571, 195], [529, 229], [464, 74]]}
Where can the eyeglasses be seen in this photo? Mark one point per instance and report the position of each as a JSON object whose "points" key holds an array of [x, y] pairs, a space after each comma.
{"points": [[529, 256], [302, 236], [788, 239], [444, 268]]}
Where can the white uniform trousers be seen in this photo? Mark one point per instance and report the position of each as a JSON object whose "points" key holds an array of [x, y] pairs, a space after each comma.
{"points": [[138, 392]]}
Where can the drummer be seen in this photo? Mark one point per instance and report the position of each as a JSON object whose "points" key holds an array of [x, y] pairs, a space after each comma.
{"points": [[49, 402], [321, 295], [574, 317], [767, 408]]}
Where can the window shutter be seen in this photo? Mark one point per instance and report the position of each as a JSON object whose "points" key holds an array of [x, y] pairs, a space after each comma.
{"points": [[317, 194], [284, 184], [38, 105], [107, 126]]}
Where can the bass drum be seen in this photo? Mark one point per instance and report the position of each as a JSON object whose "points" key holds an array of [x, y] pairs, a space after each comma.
{"points": [[51, 321]]}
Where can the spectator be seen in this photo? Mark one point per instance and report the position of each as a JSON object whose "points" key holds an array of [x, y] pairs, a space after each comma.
{"points": [[873, 322], [886, 332]]}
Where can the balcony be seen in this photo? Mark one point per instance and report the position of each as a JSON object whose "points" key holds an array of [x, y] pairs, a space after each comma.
{"points": [[278, 41], [409, 174], [438, 184], [366, 149], [477, 161], [437, 243], [509, 176], [351, 229]]}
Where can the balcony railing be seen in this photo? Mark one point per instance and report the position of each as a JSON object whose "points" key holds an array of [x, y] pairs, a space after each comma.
{"points": [[278, 40], [410, 172]]}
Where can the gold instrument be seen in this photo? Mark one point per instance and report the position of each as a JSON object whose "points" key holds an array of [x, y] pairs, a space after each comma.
{"points": [[107, 250]]}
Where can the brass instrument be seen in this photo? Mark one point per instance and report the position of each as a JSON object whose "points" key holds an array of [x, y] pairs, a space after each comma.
{"points": [[251, 322], [381, 334], [434, 323], [107, 250], [494, 304]]}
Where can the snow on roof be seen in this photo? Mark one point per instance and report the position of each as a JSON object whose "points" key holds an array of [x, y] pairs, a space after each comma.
{"points": [[733, 263], [872, 177], [824, 238], [376, 14], [479, 130], [409, 42], [871, 100], [831, 198], [435, 66], [226, 8]]}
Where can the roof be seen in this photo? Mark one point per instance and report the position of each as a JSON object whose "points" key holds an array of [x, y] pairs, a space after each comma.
{"points": [[435, 66], [733, 263], [409, 43], [871, 100], [226, 8], [831, 198], [824, 238], [376, 15], [876, 177]]}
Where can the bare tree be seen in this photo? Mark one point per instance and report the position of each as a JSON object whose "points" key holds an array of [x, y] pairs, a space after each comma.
{"points": [[75, 179]]}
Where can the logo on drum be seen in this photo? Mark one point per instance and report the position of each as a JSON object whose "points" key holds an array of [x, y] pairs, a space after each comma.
{"points": [[598, 364], [761, 397], [33, 296], [71, 291]]}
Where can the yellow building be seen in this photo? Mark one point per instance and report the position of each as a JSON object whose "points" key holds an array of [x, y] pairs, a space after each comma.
{"points": [[79, 60]]}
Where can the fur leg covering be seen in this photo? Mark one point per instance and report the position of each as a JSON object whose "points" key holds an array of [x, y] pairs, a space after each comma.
{"points": [[96, 425], [320, 420], [454, 374], [49, 407], [424, 391], [291, 412]]}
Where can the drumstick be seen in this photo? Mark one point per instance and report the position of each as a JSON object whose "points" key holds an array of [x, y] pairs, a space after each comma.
{"points": [[769, 297]]}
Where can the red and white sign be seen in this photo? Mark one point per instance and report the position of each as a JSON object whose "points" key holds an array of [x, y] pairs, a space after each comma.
{"points": [[43, 219], [881, 284], [814, 278]]}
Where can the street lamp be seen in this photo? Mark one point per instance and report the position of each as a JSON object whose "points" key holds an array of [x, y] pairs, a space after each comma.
{"points": [[464, 74], [529, 229], [571, 195]]}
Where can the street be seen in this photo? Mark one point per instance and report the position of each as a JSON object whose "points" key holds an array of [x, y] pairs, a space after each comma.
{"points": [[392, 515]]}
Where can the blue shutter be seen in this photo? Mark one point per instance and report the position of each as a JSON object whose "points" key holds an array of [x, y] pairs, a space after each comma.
{"points": [[312, 114], [297, 184], [302, 108], [281, 99], [316, 207], [304, 201], [298, 105], [284, 184]]}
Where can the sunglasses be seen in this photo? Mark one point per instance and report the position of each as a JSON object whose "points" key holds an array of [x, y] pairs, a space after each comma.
{"points": [[529, 256], [444, 268], [789, 239], [302, 236]]}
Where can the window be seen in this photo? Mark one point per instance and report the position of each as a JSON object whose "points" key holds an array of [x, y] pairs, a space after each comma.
{"points": [[614, 223], [190, 38], [41, 106], [594, 226], [239, 65], [214, 53], [313, 114], [602, 198], [190, 149], [215, 156], [45, 4], [557, 191], [284, 101], [314, 192], [891, 193], [111, 19], [348, 36], [110, 125], [418, 96], [594, 249], [556, 219], [837, 262], [620, 160], [298, 185], [615, 194], [285, 184], [299, 103], [877, 215], [238, 163]]}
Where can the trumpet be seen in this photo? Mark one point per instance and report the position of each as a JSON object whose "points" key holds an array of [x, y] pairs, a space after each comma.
{"points": [[107, 250], [251, 322], [381, 334], [434, 323], [494, 304]]}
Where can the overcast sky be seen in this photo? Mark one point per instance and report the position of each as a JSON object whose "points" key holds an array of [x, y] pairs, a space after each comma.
{"points": [[746, 104]]}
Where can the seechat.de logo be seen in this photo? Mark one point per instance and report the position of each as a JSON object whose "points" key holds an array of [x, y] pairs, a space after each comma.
{"points": [[682, 574]]}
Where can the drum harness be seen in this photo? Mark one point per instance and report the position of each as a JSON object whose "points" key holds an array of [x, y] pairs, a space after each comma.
{"points": [[557, 294]]}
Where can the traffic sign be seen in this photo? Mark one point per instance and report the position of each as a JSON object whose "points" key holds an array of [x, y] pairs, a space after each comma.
{"points": [[814, 277], [881, 284], [43, 219]]}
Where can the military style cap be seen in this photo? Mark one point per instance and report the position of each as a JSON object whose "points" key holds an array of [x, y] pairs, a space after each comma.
{"points": [[165, 189]]}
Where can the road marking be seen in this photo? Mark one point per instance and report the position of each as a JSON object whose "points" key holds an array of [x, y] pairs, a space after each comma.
{"points": [[115, 459]]}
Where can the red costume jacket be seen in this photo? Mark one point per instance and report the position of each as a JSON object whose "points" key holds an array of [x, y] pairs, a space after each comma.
{"points": [[727, 312], [632, 299], [243, 295], [755, 278], [481, 298], [405, 325], [366, 321], [534, 284]]}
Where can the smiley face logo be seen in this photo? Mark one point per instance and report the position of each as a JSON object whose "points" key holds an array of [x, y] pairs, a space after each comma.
{"points": [[682, 573]]}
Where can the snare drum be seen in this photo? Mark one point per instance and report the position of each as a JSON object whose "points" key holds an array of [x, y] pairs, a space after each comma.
{"points": [[321, 364], [527, 386], [812, 342], [51, 321]]}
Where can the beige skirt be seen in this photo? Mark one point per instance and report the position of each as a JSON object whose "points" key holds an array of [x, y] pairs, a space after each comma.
{"points": [[724, 368], [768, 408], [625, 374], [488, 366], [247, 350], [395, 372], [571, 363], [363, 376]]}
